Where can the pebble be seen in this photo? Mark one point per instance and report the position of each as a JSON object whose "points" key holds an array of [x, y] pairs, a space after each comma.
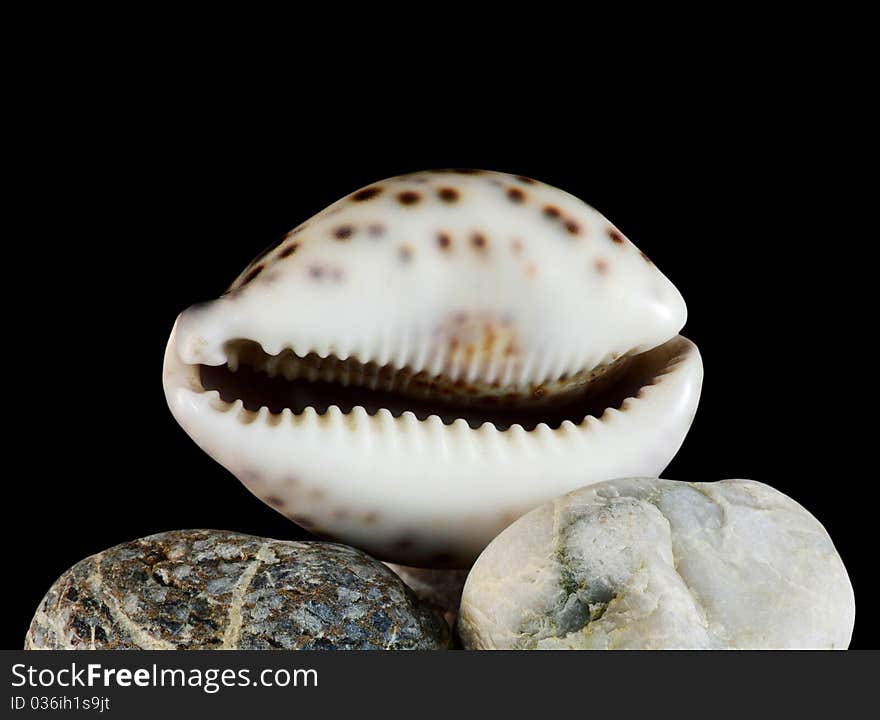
{"points": [[210, 589], [659, 564]]}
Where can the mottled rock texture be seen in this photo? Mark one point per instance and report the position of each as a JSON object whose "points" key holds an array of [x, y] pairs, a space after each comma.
{"points": [[653, 564], [208, 589]]}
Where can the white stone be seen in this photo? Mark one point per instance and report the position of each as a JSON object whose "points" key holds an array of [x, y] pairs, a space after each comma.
{"points": [[660, 564]]}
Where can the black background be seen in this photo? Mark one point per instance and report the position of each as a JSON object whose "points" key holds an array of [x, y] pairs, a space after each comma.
{"points": [[139, 202]]}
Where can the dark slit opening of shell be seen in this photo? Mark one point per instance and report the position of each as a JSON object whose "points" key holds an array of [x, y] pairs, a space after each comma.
{"points": [[297, 383]]}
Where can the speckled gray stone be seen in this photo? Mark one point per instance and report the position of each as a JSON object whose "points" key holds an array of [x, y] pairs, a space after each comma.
{"points": [[209, 589]]}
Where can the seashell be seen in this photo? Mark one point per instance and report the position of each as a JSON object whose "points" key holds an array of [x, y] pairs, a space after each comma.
{"points": [[431, 357]]}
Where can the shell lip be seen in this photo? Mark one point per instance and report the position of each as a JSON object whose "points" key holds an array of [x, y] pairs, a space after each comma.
{"points": [[260, 390]]}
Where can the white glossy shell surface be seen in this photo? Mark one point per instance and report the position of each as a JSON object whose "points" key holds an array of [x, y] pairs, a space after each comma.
{"points": [[376, 280], [484, 277]]}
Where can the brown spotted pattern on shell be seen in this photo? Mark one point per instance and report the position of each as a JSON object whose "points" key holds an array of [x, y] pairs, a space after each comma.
{"points": [[437, 352]]}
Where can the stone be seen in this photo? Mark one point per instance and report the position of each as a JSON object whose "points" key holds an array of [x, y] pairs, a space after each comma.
{"points": [[659, 564], [209, 589], [439, 589]]}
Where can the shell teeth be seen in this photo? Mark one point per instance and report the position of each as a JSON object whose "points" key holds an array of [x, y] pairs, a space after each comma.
{"points": [[401, 420], [420, 358], [543, 371], [461, 425], [218, 403], [334, 413], [568, 427], [273, 348], [555, 370], [490, 370], [466, 377], [409, 419], [242, 414], [434, 422], [309, 413], [525, 371], [543, 430], [507, 375], [359, 414], [469, 370], [384, 416]]}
